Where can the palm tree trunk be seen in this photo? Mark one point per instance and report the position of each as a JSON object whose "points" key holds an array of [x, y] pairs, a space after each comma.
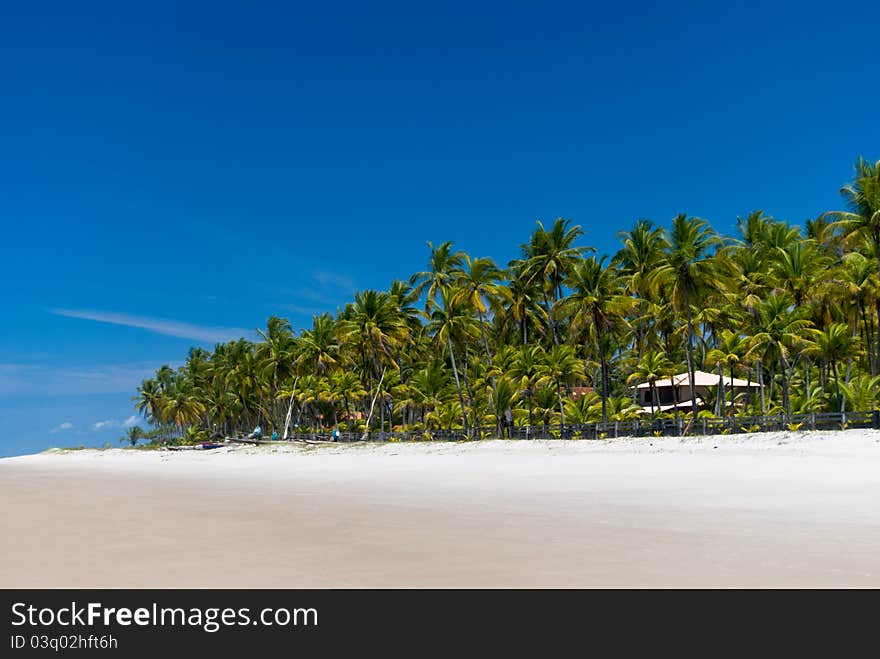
{"points": [[561, 408], [786, 403], [761, 387], [485, 340], [464, 422], [732, 408], [373, 405], [837, 385], [690, 354]]}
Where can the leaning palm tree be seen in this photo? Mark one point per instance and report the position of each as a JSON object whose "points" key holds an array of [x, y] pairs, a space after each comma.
{"points": [[373, 323], [688, 271]]}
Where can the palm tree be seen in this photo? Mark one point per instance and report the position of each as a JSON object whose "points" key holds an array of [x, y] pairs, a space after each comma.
{"points": [[861, 220], [642, 252], [688, 272], [862, 392], [561, 367], [318, 349], [449, 325], [779, 335], [831, 345], [443, 267], [148, 400], [548, 258], [133, 435], [373, 323], [520, 304], [477, 283], [652, 366], [275, 358], [729, 352], [502, 399], [598, 301], [524, 365]]}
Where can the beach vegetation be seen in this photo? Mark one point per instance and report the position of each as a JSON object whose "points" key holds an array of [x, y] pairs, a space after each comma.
{"points": [[560, 336]]}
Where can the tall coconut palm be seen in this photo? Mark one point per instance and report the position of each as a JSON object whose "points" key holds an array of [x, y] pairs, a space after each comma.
{"points": [[476, 285], [521, 304], [598, 303], [861, 220], [688, 271], [548, 258], [450, 326], [318, 349], [373, 322], [443, 267]]}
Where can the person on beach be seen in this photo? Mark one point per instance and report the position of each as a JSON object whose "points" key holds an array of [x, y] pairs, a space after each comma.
{"points": [[256, 434], [335, 434], [274, 435]]}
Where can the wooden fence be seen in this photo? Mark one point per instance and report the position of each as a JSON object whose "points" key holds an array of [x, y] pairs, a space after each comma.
{"points": [[682, 426]]}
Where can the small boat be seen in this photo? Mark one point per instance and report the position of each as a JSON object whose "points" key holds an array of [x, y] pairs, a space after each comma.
{"points": [[209, 445]]}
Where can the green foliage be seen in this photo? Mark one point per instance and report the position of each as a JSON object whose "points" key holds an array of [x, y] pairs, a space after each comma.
{"points": [[559, 337]]}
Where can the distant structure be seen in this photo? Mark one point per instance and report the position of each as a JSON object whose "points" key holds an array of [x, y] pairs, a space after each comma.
{"points": [[579, 392], [674, 392]]}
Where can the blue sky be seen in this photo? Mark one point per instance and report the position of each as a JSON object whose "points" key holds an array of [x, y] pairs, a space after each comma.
{"points": [[174, 173]]}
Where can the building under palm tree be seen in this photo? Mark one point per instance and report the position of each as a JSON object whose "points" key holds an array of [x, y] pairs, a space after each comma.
{"points": [[674, 392]]}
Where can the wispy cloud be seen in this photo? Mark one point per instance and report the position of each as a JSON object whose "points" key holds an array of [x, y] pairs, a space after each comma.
{"points": [[335, 280], [325, 292], [159, 325], [129, 422], [45, 380], [103, 424], [67, 425]]}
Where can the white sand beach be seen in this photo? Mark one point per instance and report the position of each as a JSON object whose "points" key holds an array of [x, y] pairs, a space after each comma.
{"points": [[775, 509]]}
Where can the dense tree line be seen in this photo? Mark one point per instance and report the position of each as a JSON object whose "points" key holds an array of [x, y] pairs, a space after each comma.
{"points": [[466, 344]]}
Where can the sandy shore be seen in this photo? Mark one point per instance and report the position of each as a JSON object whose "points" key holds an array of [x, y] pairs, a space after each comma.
{"points": [[787, 509]]}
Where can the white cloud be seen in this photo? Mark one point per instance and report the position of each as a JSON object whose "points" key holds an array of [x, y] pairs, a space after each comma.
{"points": [[67, 425], [103, 424], [159, 325], [129, 422]]}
